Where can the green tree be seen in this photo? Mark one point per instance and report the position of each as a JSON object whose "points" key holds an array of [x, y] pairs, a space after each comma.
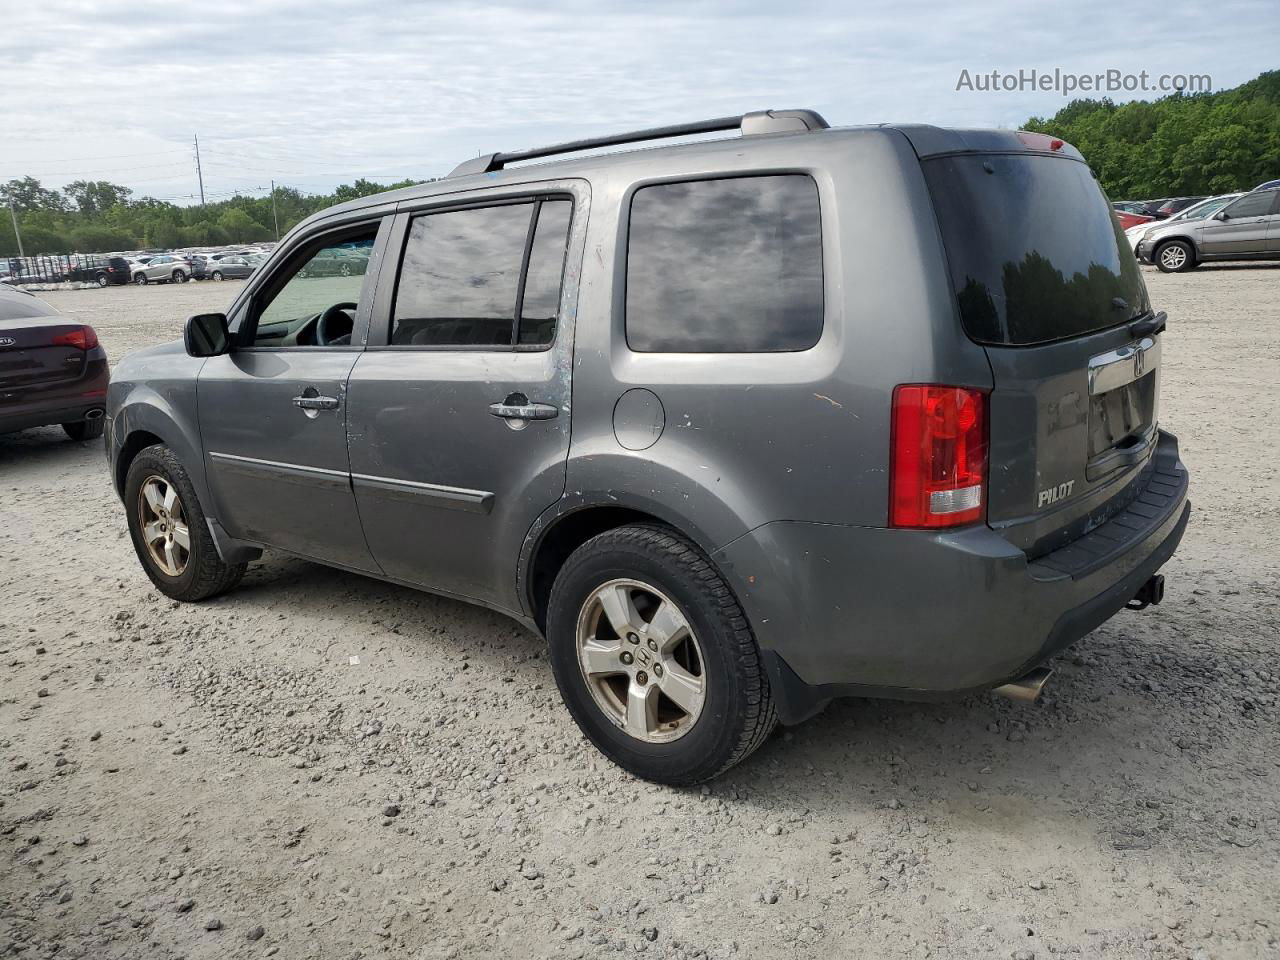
{"points": [[100, 239], [92, 197], [28, 193], [1178, 145], [241, 227]]}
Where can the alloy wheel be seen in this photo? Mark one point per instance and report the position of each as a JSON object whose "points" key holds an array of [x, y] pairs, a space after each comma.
{"points": [[164, 526], [641, 661], [1173, 257]]}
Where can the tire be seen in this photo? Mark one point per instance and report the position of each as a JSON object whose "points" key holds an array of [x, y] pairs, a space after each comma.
{"points": [[85, 429], [344, 270], [179, 277], [140, 279], [203, 574], [216, 275], [1175, 256], [734, 712], [101, 280]]}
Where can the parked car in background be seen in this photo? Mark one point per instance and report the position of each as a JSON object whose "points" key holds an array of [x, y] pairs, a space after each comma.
{"points": [[1129, 206], [340, 261], [1176, 205], [230, 268], [913, 509], [1204, 208], [104, 271], [52, 369], [1129, 220], [1246, 228], [161, 269], [1270, 184]]}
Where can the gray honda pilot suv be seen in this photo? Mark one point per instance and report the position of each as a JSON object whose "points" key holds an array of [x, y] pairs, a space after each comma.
{"points": [[679, 409]]}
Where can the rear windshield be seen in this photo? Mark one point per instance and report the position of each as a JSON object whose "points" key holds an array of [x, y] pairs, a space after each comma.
{"points": [[1034, 251]]}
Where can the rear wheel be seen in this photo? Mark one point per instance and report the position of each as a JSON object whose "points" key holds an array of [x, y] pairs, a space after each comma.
{"points": [[85, 429], [654, 658], [101, 280], [169, 532], [140, 279], [179, 277], [216, 275], [1175, 257]]}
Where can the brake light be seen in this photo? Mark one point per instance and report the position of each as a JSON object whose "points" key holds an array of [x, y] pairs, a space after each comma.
{"points": [[82, 338], [938, 456]]}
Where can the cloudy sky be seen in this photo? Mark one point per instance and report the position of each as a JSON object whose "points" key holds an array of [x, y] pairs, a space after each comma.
{"points": [[314, 93]]}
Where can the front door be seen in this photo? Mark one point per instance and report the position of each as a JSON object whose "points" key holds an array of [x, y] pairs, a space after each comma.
{"points": [[1243, 229], [273, 414], [458, 411]]}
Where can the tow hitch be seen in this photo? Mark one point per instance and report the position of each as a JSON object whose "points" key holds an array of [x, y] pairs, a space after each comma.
{"points": [[1151, 592]]}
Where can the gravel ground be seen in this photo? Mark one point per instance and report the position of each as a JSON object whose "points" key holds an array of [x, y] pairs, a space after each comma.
{"points": [[224, 780]]}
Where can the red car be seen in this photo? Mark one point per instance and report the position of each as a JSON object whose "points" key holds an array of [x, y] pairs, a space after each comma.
{"points": [[1128, 220], [52, 369]]}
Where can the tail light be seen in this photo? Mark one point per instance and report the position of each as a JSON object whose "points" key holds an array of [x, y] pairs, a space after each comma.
{"points": [[938, 456], [82, 338]]}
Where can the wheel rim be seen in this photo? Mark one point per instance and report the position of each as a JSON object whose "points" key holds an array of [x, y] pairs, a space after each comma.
{"points": [[641, 661], [163, 523], [217, 276], [1173, 257]]}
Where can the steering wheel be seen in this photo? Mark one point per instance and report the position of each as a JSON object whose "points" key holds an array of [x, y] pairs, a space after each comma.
{"points": [[326, 334]]}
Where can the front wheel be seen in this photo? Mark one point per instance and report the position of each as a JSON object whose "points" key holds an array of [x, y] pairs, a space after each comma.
{"points": [[654, 657], [1175, 257], [169, 532]]}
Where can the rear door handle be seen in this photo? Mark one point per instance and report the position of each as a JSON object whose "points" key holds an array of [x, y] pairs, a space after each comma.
{"points": [[316, 403], [518, 407]]}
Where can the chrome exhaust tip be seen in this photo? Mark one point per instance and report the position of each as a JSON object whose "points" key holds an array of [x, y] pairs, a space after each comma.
{"points": [[95, 414], [1026, 688]]}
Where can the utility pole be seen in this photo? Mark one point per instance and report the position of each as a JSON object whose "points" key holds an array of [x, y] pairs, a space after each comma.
{"points": [[199, 173], [14, 213], [275, 219]]}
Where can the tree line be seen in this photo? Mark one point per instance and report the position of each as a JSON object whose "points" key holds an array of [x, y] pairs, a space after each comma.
{"points": [[96, 216], [1180, 145]]}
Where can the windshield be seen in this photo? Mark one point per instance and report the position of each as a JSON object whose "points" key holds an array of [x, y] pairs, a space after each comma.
{"points": [[1034, 251], [1205, 208]]}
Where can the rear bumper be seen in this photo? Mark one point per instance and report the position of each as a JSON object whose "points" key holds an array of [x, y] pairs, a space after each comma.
{"points": [[66, 402], [860, 611]]}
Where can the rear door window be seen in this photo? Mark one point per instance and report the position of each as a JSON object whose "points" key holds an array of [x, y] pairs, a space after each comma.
{"points": [[1034, 252], [483, 277], [725, 266]]}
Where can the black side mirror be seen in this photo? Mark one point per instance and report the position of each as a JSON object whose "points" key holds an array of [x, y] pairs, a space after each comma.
{"points": [[206, 335]]}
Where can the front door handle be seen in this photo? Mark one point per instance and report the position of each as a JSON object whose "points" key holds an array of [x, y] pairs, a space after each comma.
{"points": [[518, 407], [316, 403]]}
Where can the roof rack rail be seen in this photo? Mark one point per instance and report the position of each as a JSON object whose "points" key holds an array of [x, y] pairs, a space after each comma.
{"points": [[751, 124]]}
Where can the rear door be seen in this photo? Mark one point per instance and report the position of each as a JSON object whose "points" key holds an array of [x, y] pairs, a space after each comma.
{"points": [[1240, 227], [273, 411], [459, 410], [1045, 280]]}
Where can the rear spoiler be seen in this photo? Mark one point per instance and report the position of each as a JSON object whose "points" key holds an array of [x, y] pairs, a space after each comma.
{"points": [[930, 141]]}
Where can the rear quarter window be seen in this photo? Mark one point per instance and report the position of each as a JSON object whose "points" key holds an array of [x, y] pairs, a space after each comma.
{"points": [[725, 266]]}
